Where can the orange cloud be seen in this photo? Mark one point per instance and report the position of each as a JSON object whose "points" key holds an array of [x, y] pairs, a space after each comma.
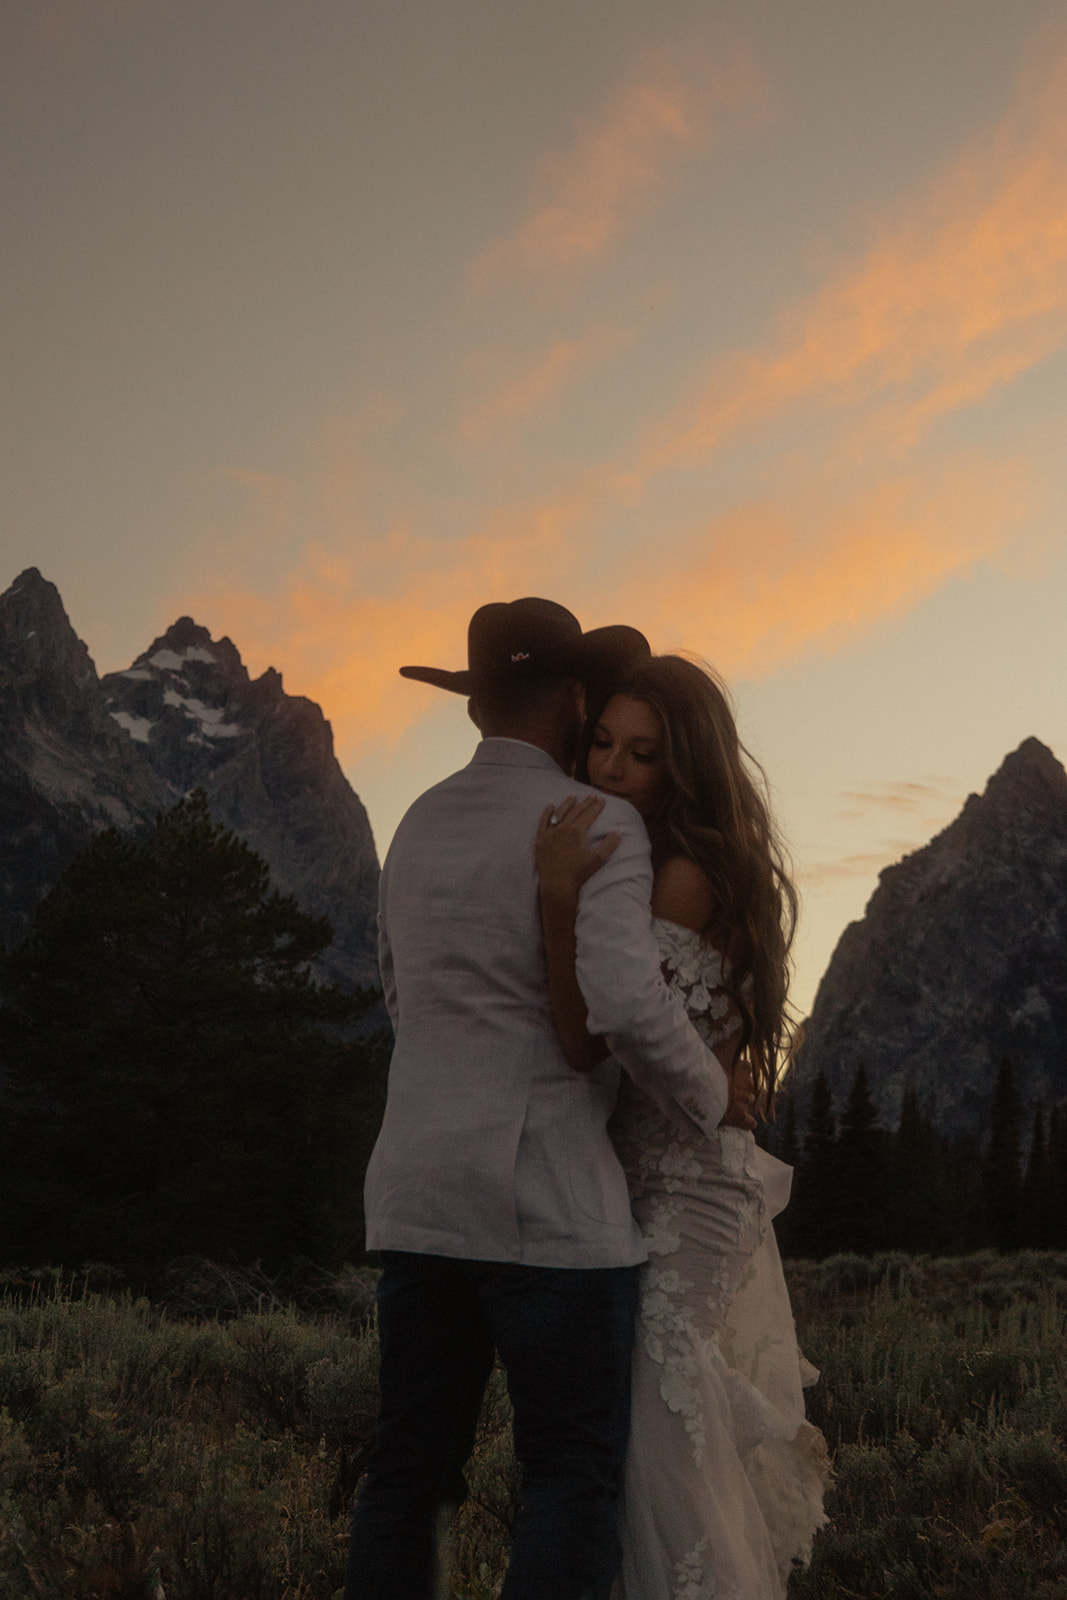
{"points": [[520, 397], [820, 875], [927, 819], [965, 289], [909, 799], [922, 808], [623, 160], [764, 584], [356, 609], [750, 591]]}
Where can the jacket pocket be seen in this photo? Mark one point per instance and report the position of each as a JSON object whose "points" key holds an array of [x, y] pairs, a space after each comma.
{"points": [[598, 1183]]}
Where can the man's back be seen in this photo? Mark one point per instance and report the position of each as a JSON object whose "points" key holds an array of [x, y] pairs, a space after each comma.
{"points": [[493, 1148]]}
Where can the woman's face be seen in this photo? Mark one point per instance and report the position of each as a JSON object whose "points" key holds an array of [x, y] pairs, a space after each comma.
{"points": [[626, 757]]}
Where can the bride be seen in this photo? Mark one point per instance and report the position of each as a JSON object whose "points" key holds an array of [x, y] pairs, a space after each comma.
{"points": [[724, 1478]]}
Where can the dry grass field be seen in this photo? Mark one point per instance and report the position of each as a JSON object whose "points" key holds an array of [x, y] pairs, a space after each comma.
{"points": [[212, 1454]]}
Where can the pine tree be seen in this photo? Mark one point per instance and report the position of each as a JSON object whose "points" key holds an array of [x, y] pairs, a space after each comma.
{"points": [[1057, 1178], [917, 1215], [1035, 1228], [177, 1082], [1001, 1169], [963, 1166], [815, 1201], [788, 1140], [783, 1143], [860, 1171]]}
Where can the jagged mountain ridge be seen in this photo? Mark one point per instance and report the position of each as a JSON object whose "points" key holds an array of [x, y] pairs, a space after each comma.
{"points": [[960, 960], [66, 769], [78, 753]]}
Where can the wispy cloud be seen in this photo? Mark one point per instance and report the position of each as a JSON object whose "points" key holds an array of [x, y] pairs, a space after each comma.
{"points": [[818, 876], [915, 811], [355, 604], [621, 160], [961, 291], [519, 397], [750, 591], [762, 584], [964, 288], [937, 800]]}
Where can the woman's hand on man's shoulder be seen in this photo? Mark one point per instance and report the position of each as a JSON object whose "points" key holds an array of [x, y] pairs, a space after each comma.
{"points": [[565, 859]]}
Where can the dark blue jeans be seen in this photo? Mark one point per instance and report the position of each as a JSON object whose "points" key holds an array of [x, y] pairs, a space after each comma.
{"points": [[565, 1337]]}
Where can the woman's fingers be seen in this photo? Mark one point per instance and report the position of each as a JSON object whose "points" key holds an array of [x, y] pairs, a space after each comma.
{"points": [[571, 819], [565, 860], [577, 813], [553, 815]]}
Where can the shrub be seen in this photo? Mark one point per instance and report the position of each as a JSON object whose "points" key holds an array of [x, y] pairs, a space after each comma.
{"points": [[145, 1457]]}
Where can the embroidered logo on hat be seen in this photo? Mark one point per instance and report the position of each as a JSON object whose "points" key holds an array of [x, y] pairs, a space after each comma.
{"points": [[522, 655]]}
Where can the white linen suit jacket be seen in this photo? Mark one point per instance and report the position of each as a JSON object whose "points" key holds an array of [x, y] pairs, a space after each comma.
{"points": [[492, 1148]]}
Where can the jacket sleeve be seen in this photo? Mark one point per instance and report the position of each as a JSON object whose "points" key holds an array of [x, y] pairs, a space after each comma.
{"points": [[619, 973], [385, 961]]}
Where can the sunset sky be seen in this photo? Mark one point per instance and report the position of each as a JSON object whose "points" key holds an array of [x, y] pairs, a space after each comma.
{"points": [[325, 321]]}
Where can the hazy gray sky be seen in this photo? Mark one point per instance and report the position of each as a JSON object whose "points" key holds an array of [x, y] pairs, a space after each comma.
{"points": [[745, 323]]}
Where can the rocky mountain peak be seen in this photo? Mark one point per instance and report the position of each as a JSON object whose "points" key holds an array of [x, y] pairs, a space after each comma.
{"points": [[51, 711], [78, 753], [1027, 795], [1029, 781], [186, 693], [187, 645], [267, 762], [960, 959], [188, 689], [31, 598], [39, 649], [66, 769]]}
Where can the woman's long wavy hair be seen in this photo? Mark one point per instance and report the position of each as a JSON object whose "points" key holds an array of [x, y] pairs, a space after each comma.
{"points": [[717, 813]]}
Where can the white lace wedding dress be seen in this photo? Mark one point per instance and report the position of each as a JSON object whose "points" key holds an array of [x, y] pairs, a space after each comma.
{"points": [[724, 1477]]}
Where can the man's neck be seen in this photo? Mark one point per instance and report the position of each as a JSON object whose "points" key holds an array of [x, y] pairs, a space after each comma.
{"points": [[547, 739]]}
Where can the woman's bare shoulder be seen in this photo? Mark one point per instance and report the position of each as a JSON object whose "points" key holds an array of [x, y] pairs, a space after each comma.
{"points": [[681, 893]]}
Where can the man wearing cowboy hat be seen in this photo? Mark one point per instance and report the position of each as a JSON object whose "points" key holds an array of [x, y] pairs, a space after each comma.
{"points": [[493, 1193]]}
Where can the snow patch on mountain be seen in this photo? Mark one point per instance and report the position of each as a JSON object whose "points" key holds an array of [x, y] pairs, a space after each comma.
{"points": [[138, 728]]}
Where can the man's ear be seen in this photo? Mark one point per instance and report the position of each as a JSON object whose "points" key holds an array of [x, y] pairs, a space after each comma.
{"points": [[472, 712]]}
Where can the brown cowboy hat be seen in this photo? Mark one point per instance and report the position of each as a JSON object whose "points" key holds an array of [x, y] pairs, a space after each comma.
{"points": [[524, 640]]}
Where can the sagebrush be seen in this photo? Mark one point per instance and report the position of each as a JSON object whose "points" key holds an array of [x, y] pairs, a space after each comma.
{"points": [[149, 1457]]}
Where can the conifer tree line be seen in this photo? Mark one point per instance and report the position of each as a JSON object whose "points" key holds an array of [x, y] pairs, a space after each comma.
{"points": [[173, 1080], [860, 1187]]}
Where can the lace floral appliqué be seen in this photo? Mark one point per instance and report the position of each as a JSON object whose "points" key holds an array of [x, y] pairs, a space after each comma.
{"points": [[691, 1582], [693, 970], [718, 1385], [666, 1332]]}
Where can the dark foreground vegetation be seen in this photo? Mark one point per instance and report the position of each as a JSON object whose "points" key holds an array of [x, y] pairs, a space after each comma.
{"points": [[173, 1079], [916, 1187], [208, 1447], [177, 1090]]}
